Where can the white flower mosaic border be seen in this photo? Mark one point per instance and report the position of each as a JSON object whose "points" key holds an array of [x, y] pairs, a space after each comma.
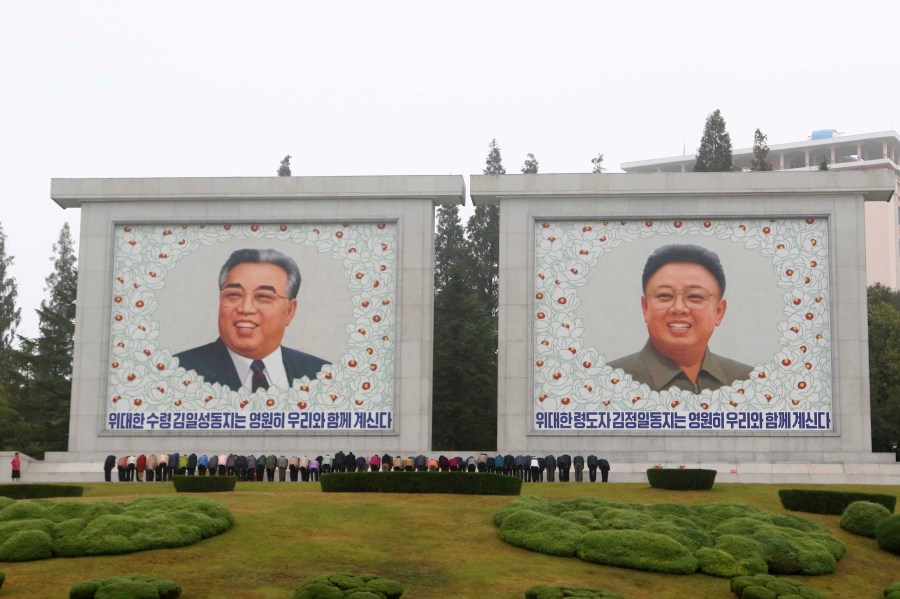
{"points": [[144, 377], [569, 376]]}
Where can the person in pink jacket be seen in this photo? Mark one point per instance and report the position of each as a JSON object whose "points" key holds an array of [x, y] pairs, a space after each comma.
{"points": [[16, 464]]}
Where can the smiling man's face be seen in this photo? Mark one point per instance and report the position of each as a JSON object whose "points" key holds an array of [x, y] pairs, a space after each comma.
{"points": [[255, 330], [679, 332]]}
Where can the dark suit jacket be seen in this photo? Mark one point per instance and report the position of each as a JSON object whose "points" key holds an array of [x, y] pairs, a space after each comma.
{"points": [[213, 362]]}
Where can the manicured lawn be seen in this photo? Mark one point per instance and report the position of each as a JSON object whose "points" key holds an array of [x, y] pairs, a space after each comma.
{"points": [[437, 546]]}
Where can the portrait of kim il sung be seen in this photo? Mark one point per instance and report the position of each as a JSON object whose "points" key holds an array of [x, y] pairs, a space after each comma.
{"points": [[683, 302], [257, 301]]}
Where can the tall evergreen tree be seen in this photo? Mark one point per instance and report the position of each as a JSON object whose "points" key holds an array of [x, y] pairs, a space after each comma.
{"points": [[10, 315], [884, 367], [598, 164], [284, 170], [760, 160], [464, 380], [46, 362], [483, 230], [714, 154], [531, 165]]}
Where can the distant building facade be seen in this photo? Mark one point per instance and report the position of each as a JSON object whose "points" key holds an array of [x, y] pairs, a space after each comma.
{"points": [[866, 151]]}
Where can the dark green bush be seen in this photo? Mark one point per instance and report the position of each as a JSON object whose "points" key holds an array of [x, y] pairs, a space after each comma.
{"points": [[861, 517], [887, 533], [681, 479], [203, 484], [764, 586], [43, 529], [125, 587], [462, 483], [39, 491], [355, 586], [829, 502], [545, 591]]}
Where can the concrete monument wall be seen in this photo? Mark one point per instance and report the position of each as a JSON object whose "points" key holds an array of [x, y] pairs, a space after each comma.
{"points": [[149, 257], [572, 249]]}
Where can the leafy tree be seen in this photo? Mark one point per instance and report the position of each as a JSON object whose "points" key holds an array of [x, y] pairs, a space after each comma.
{"points": [[714, 154], [823, 164], [531, 165], [45, 369], [284, 170], [10, 316], [760, 153], [884, 367], [598, 164]]}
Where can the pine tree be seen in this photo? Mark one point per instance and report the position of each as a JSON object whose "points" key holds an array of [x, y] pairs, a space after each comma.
{"points": [[284, 170], [463, 398], [598, 164], [531, 165], [10, 316], [714, 154], [760, 160], [483, 230], [46, 362]]}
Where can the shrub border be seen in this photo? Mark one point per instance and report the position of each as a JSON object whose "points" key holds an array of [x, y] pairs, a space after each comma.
{"points": [[461, 483], [816, 501], [681, 479], [39, 490], [203, 484]]}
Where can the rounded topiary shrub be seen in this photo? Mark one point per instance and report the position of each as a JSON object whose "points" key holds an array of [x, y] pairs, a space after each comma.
{"points": [[546, 591], [637, 549], [892, 590], [349, 586], [765, 586], [887, 533], [861, 517], [125, 587], [542, 533]]}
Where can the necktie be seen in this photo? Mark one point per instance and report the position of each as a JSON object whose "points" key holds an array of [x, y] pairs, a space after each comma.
{"points": [[259, 379]]}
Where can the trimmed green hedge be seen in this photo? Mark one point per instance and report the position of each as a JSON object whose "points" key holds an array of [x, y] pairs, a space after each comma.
{"points": [[125, 587], [718, 539], [43, 529], [763, 586], [461, 483], [355, 586], [39, 491], [681, 479], [545, 591], [203, 484], [834, 503]]}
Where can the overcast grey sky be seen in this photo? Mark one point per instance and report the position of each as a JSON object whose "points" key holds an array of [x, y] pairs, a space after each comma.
{"points": [[127, 89]]}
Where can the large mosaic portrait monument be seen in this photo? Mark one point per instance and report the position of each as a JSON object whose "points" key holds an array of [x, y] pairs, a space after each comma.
{"points": [[236, 315], [713, 320]]}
